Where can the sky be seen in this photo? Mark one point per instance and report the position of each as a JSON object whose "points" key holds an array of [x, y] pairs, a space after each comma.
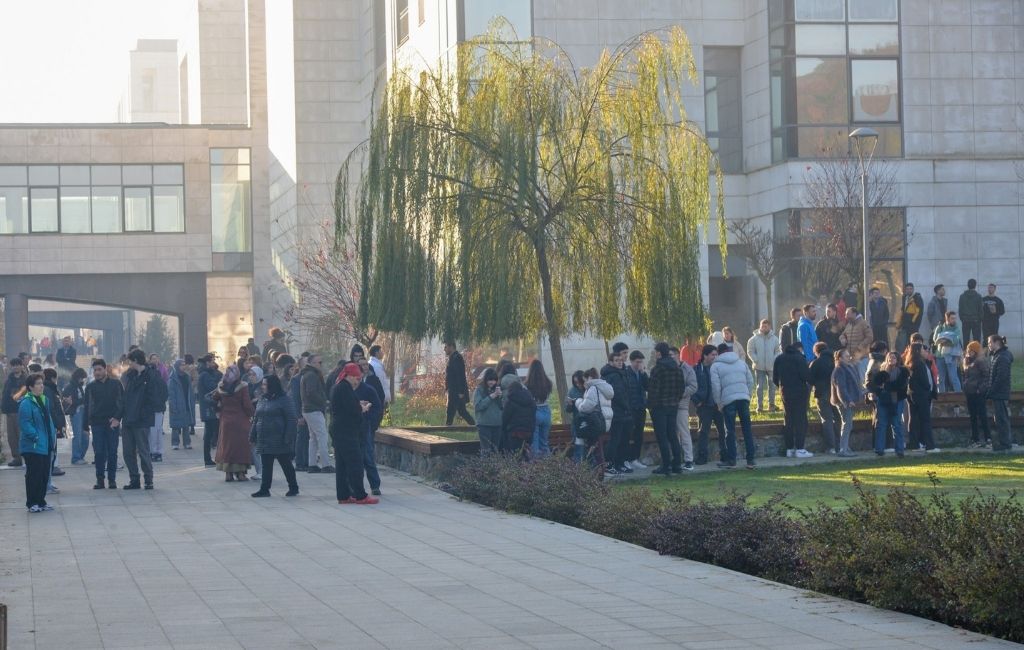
{"points": [[67, 60]]}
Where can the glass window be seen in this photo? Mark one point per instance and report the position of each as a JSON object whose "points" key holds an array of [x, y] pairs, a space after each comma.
{"points": [[168, 208], [875, 91], [43, 206], [402, 13], [13, 210], [106, 208], [820, 10], [138, 209], [106, 174], [43, 175], [229, 156], [380, 55], [874, 10], [477, 15], [74, 175], [421, 11], [820, 141], [137, 174], [168, 175], [74, 208], [723, 105], [874, 40], [231, 203], [821, 39], [821, 91], [13, 175]]}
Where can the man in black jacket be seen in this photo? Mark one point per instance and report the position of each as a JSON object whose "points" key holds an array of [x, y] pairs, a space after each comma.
{"points": [[789, 332], [14, 383], [992, 309], [911, 314], [455, 385], [140, 406], [209, 377], [707, 412], [665, 388], [104, 408], [821, 379], [791, 374], [622, 418], [879, 307], [66, 356], [347, 414]]}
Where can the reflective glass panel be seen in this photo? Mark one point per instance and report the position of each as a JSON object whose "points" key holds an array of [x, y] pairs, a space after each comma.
{"points": [[820, 10], [137, 174], [13, 175], [821, 141], [74, 175], [168, 208], [821, 39], [229, 156], [74, 208], [168, 175], [821, 91], [876, 96], [231, 202], [42, 175], [138, 209], [44, 208], [13, 210], [874, 10], [106, 174], [874, 39], [479, 13], [106, 209]]}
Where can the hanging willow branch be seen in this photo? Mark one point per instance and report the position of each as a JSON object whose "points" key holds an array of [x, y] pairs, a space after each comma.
{"points": [[510, 194]]}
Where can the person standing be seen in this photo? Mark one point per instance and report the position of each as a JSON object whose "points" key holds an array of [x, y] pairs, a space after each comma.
{"points": [[13, 384], [622, 422], [972, 310], [455, 385], [808, 336], [856, 338], [234, 454], [683, 410], [273, 435], [727, 336], [921, 391], [59, 418], [992, 310], [821, 381], [293, 388], [829, 329], [104, 408], [889, 387], [487, 408], [209, 378], [314, 409], [182, 406], [377, 363], [975, 384], [66, 356], [911, 313], [347, 414], [664, 391], [1000, 362], [708, 412], [370, 390], [731, 387], [140, 404], [763, 347], [949, 348], [37, 443], [789, 333], [592, 403], [637, 382], [937, 308], [539, 386], [846, 393], [791, 374], [74, 398], [276, 342], [879, 316], [156, 433], [251, 347]]}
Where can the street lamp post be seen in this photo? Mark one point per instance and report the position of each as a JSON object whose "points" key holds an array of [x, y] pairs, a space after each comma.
{"points": [[865, 138]]}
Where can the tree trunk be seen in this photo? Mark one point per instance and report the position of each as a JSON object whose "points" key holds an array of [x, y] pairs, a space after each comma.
{"points": [[551, 324], [768, 288]]}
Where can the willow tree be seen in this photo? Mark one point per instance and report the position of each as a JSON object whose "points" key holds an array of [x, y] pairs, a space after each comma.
{"points": [[505, 193]]}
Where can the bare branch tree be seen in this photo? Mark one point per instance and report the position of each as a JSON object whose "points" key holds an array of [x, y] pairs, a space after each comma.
{"points": [[757, 246]]}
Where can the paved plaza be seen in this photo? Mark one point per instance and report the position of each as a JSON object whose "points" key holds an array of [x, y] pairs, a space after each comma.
{"points": [[197, 563]]}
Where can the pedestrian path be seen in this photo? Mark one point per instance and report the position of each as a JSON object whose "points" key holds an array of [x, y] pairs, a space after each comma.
{"points": [[197, 563]]}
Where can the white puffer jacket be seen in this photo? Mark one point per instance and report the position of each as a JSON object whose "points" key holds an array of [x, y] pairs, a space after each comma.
{"points": [[762, 350], [599, 397], [730, 379]]}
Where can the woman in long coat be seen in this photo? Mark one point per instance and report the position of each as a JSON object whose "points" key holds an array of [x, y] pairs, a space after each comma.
{"points": [[181, 399], [234, 455]]}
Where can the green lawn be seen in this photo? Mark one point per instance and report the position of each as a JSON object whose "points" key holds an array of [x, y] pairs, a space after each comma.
{"points": [[959, 475]]}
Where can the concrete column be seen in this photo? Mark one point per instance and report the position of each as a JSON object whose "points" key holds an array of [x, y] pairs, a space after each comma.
{"points": [[16, 323]]}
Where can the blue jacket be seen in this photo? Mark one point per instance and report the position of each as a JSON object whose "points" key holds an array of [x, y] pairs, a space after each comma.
{"points": [[372, 418], [808, 337], [182, 400], [636, 384], [37, 433]]}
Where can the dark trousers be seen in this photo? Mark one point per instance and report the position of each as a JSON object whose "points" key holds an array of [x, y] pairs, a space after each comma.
{"points": [[921, 424], [104, 447], [618, 445], [1002, 440], [285, 460], [796, 420], [210, 428], [708, 415], [664, 420], [972, 331], [988, 328], [302, 446], [490, 438], [635, 442], [183, 432], [740, 408], [348, 477], [136, 449], [455, 404], [830, 419], [370, 459], [880, 333], [978, 411], [37, 475]]}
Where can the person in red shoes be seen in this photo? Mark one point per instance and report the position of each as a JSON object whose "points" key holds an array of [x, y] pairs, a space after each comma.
{"points": [[347, 414]]}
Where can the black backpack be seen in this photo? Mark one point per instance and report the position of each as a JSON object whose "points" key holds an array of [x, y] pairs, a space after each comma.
{"points": [[590, 426]]}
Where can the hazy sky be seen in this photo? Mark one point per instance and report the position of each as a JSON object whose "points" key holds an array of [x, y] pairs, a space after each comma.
{"points": [[67, 60]]}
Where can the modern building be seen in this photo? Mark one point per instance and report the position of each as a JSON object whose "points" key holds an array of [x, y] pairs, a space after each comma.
{"points": [[289, 83], [153, 90]]}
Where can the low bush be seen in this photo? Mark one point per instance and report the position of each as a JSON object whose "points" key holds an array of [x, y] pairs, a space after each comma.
{"points": [[623, 514]]}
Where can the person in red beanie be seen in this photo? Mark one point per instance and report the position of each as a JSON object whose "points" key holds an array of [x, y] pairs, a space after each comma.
{"points": [[346, 433]]}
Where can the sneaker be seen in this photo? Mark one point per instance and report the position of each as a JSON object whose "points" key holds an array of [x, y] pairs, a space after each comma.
{"points": [[259, 494], [313, 469], [255, 477], [847, 454], [149, 486], [890, 450], [53, 489], [638, 465], [174, 447], [134, 485], [292, 493], [920, 447], [367, 501], [611, 471], [35, 509], [375, 492], [80, 461], [751, 465], [688, 467], [625, 469], [346, 501], [933, 450], [327, 470], [803, 453], [57, 472], [188, 447], [791, 453], [14, 463], [47, 508]]}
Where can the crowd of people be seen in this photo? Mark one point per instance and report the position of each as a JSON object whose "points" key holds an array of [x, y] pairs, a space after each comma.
{"points": [[266, 406], [831, 353]]}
